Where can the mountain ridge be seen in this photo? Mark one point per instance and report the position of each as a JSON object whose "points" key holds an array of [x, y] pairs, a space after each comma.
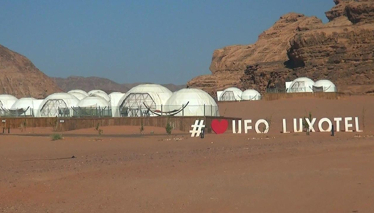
{"points": [[107, 85]]}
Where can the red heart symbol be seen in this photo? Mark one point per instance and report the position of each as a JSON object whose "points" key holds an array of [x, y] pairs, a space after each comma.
{"points": [[219, 127]]}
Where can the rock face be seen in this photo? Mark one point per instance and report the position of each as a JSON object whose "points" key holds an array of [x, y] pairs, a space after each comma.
{"points": [[19, 77], [91, 83], [299, 46]]}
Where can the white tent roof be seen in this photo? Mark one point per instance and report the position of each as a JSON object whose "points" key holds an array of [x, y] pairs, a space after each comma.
{"points": [[162, 92], [251, 94], [78, 91], [80, 96], [302, 84], [197, 98], [6, 101], [49, 106], [115, 98], [327, 85], [24, 103], [94, 102], [236, 94], [37, 104], [158, 93], [99, 93]]}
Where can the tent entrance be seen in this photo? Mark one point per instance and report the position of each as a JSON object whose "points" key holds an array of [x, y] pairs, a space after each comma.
{"points": [[317, 89], [55, 107], [298, 86], [133, 105], [228, 96]]}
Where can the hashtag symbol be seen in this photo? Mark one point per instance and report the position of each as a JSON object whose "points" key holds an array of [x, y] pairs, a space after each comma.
{"points": [[196, 128]]}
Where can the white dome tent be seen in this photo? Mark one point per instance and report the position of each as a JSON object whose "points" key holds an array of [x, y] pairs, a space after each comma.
{"points": [[324, 86], [92, 106], [301, 84], [251, 95], [58, 104], [93, 102], [231, 94], [99, 93], [152, 95], [23, 107], [199, 102], [6, 102], [80, 94], [37, 104], [115, 97]]}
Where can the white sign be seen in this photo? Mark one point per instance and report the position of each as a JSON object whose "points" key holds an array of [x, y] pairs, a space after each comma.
{"points": [[262, 126], [3, 121], [196, 128]]}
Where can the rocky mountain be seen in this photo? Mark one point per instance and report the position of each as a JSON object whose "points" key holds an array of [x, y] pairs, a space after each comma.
{"points": [[341, 50], [20, 77], [90, 83]]}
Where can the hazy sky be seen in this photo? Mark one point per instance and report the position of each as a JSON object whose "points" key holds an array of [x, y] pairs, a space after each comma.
{"points": [[137, 41]]}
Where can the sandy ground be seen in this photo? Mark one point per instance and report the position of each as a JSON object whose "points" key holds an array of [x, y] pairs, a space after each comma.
{"points": [[176, 173]]}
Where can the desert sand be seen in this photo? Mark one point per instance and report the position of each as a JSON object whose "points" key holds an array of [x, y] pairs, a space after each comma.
{"points": [[125, 171]]}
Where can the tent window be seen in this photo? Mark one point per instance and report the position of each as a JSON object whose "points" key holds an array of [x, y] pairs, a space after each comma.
{"points": [[228, 96], [55, 107], [133, 105]]}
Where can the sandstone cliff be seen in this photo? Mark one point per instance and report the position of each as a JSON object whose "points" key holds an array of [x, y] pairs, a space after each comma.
{"points": [[296, 46], [19, 77]]}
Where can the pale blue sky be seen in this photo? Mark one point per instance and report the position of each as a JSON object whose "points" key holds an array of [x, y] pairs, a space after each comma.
{"points": [[137, 41]]}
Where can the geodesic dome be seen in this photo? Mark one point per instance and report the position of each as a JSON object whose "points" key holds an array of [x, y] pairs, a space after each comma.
{"points": [[99, 93], [251, 94], [324, 86], [152, 95], [200, 103], [58, 104], [6, 101], [231, 94], [115, 97], [302, 84], [23, 106], [80, 94]]}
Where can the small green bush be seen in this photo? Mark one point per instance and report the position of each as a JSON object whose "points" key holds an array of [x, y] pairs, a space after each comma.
{"points": [[56, 137], [168, 127], [141, 126]]}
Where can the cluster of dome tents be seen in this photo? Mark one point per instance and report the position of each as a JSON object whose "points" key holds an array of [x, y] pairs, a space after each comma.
{"points": [[235, 94], [141, 100], [299, 85], [304, 84]]}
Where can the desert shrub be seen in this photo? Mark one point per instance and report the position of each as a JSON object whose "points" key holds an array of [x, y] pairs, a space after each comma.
{"points": [[168, 127], [99, 131], [141, 126], [305, 124], [56, 137]]}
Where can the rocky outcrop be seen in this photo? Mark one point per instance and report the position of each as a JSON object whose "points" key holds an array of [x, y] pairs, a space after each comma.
{"points": [[20, 77], [341, 50]]}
